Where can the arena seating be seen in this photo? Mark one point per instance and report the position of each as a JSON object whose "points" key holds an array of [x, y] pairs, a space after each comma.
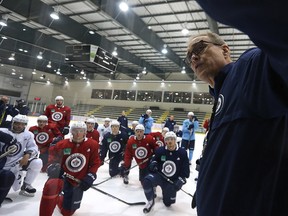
{"points": [[159, 115]]}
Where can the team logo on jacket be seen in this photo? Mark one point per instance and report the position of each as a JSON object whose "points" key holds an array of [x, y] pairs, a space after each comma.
{"points": [[57, 116], [220, 104], [75, 162], [114, 146], [141, 153], [159, 143], [169, 168], [42, 137]]}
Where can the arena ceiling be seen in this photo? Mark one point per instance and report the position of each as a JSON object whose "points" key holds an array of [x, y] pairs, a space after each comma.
{"points": [[138, 35]]}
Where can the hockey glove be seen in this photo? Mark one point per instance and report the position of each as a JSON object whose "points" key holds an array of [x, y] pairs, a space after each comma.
{"points": [[65, 130], [179, 183], [7, 138], [195, 118], [191, 126], [54, 170], [153, 166], [87, 181], [123, 171], [55, 140]]}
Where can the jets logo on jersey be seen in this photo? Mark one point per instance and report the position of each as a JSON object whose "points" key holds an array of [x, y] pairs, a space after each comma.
{"points": [[141, 153], [114, 146], [57, 116], [17, 149], [220, 104], [75, 162], [169, 168], [159, 143], [42, 138]]}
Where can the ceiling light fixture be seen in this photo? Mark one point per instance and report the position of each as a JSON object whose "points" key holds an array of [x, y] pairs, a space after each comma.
{"points": [[114, 53], [49, 65], [4, 38], [39, 56], [21, 76], [34, 72], [144, 70], [82, 72], [58, 71], [91, 32], [185, 31], [12, 57], [54, 15], [123, 6], [3, 21], [183, 70], [164, 50]]}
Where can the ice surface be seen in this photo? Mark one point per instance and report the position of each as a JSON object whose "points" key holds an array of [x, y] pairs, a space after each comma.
{"points": [[96, 203]]}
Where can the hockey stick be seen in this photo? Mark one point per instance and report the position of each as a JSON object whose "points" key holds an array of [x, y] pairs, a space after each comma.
{"points": [[110, 195], [11, 149], [171, 182], [127, 171], [108, 159]]}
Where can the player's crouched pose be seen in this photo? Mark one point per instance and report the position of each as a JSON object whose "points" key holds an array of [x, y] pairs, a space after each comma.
{"points": [[72, 170], [169, 169], [21, 157]]}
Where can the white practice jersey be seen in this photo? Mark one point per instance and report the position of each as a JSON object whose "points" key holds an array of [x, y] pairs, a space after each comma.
{"points": [[102, 131], [25, 143]]}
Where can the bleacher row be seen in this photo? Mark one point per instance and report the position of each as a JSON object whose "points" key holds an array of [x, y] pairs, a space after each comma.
{"points": [[113, 112]]}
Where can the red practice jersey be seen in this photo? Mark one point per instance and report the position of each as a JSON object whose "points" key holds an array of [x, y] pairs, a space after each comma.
{"points": [[140, 150], [76, 159], [158, 138], [59, 115], [43, 137], [94, 134]]}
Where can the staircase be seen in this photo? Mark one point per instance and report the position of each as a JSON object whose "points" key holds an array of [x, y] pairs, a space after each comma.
{"points": [[163, 117]]}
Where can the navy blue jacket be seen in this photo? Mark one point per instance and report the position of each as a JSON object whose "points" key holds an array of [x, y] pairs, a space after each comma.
{"points": [[244, 167], [170, 124]]}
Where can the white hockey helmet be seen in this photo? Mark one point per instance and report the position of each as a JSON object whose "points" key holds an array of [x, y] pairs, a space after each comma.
{"points": [[190, 114], [139, 127], [135, 123], [114, 122], [20, 118], [42, 118], [107, 120], [59, 98], [165, 129], [170, 134], [78, 124], [91, 120], [148, 111]]}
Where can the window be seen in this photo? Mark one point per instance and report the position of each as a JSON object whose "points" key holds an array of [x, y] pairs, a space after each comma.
{"points": [[202, 98], [149, 96], [177, 97], [124, 95], [101, 94]]}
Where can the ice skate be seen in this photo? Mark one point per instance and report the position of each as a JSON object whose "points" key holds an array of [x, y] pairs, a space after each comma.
{"points": [[126, 179], [27, 190], [148, 206]]}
